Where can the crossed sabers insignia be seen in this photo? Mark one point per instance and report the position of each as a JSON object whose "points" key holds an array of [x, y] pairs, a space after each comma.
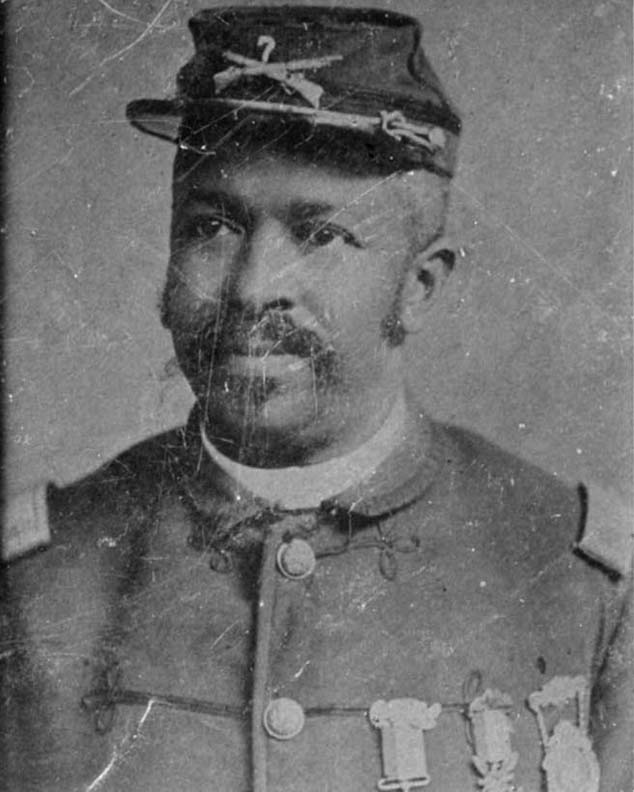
{"points": [[290, 75]]}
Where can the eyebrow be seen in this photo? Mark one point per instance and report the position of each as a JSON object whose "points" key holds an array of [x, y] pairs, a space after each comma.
{"points": [[299, 206], [320, 212], [215, 198], [297, 210], [305, 210]]}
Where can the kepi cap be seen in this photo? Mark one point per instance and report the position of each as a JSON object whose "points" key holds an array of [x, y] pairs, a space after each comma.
{"points": [[349, 74]]}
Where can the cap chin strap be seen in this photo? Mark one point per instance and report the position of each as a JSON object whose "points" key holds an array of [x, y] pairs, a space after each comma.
{"points": [[310, 485], [392, 124]]}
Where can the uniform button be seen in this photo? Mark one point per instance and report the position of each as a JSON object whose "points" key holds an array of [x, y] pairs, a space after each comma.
{"points": [[283, 719], [296, 559]]}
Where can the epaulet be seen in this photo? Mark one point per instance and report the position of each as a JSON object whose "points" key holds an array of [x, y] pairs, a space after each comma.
{"points": [[25, 522], [607, 535]]}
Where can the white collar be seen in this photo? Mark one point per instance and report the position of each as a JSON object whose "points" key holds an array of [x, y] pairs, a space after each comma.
{"points": [[309, 486]]}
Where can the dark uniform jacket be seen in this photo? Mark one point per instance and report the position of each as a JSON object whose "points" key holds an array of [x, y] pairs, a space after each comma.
{"points": [[438, 626]]}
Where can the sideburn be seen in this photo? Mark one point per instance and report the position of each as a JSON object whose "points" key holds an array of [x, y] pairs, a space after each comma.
{"points": [[392, 329]]}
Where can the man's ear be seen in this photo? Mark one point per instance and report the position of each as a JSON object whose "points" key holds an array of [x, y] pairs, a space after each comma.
{"points": [[424, 281]]}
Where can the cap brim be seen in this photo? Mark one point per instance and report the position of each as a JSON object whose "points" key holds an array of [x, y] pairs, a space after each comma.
{"points": [[159, 117], [183, 122]]}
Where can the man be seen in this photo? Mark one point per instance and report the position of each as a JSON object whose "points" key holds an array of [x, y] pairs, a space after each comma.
{"points": [[312, 586]]}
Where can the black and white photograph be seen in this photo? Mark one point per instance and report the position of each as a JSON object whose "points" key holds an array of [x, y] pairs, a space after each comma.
{"points": [[318, 396]]}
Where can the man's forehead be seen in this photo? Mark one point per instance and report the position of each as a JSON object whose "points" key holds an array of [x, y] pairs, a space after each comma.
{"points": [[271, 180]]}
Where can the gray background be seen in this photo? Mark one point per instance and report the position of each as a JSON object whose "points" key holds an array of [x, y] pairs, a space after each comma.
{"points": [[532, 345]]}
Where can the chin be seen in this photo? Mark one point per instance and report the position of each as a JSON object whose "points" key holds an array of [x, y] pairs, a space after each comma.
{"points": [[285, 414], [266, 423], [280, 412]]}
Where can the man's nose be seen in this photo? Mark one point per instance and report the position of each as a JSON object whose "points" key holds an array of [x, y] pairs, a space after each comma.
{"points": [[267, 269]]}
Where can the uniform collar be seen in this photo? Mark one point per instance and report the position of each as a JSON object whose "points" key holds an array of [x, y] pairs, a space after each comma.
{"points": [[405, 475], [401, 478], [310, 485]]}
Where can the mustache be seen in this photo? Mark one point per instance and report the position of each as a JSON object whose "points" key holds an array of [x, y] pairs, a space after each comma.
{"points": [[240, 330], [273, 332]]}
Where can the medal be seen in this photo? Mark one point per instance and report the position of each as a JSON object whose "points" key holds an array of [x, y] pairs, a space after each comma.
{"points": [[402, 723], [569, 761], [491, 730]]}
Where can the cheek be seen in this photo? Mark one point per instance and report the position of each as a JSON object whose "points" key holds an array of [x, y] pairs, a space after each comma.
{"points": [[361, 297], [195, 277]]}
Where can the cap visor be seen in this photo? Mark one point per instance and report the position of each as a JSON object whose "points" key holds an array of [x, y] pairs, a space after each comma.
{"points": [[158, 117], [215, 121]]}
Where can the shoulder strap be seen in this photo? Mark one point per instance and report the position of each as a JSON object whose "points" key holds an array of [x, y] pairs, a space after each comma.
{"points": [[608, 531], [25, 522]]}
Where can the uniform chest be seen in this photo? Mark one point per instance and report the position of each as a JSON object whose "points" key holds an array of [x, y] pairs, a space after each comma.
{"points": [[329, 629]]}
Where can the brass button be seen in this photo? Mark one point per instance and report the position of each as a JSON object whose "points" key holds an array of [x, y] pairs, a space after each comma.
{"points": [[296, 559], [283, 719]]}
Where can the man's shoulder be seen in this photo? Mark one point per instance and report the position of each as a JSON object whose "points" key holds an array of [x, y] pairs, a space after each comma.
{"points": [[522, 506], [491, 477], [125, 487], [141, 467], [128, 484]]}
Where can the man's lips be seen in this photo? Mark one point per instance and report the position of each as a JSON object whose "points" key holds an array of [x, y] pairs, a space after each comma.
{"points": [[263, 365], [264, 341], [262, 346], [259, 348]]}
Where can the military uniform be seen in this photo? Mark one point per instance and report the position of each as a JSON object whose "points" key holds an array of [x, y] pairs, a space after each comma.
{"points": [[440, 624], [173, 637]]}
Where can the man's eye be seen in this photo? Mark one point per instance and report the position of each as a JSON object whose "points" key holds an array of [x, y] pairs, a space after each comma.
{"points": [[322, 234], [212, 227]]}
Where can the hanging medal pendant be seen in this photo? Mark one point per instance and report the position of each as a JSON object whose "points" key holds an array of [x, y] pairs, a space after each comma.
{"points": [[491, 730], [569, 761], [402, 723]]}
